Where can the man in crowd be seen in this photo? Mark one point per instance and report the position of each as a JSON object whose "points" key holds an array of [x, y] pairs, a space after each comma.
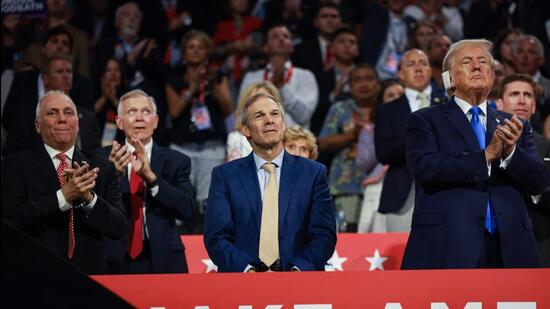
{"points": [[297, 86], [155, 189], [28, 86], [315, 54], [472, 167], [517, 96], [69, 201], [397, 198], [249, 225]]}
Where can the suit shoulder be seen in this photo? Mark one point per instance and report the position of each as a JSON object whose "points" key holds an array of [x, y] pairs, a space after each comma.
{"points": [[172, 154], [395, 104]]}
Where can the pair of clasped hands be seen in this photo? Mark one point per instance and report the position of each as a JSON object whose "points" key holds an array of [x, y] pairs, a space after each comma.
{"points": [[504, 139], [79, 183], [121, 157]]}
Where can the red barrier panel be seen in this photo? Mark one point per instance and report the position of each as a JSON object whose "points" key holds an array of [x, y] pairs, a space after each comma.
{"points": [[353, 252], [487, 289]]}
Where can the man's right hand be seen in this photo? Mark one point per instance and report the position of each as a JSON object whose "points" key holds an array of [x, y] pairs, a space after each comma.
{"points": [[120, 156], [79, 183]]}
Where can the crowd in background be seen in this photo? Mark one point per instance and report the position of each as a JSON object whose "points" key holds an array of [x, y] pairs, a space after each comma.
{"points": [[333, 64]]}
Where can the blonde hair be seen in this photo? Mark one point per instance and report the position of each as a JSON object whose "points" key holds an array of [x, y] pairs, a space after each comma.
{"points": [[293, 133], [449, 59], [249, 92]]}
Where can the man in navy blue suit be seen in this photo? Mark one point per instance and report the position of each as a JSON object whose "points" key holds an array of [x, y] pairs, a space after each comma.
{"points": [[269, 211], [155, 187], [472, 166], [397, 198]]}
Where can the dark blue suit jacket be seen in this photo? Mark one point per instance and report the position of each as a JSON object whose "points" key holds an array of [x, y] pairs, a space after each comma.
{"points": [[173, 200], [307, 224], [453, 187], [389, 142]]}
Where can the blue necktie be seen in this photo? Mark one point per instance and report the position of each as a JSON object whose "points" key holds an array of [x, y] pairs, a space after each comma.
{"points": [[479, 130]]}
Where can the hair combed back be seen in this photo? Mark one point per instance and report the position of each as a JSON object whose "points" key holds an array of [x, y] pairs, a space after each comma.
{"points": [[133, 94]]}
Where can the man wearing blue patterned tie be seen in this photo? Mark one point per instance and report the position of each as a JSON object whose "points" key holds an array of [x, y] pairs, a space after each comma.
{"points": [[472, 166]]}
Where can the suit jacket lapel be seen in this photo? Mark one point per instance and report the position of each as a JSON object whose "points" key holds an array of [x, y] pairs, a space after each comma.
{"points": [[289, 174], [46, 171], [249, 180], [157, 159], [460, 122]]}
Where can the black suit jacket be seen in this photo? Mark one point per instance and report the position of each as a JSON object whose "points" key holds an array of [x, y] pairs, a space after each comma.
{"points": [[389, 141], [20, 110], [540, 212], [173, 200], [308, 55], [29, 201]]}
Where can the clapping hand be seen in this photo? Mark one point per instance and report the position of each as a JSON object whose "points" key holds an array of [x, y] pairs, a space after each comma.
{"points": [[79, 182], [120, 156]]}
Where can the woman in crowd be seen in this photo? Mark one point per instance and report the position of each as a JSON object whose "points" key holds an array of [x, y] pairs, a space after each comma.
{"points": [[111, 86], [503, 49], [370, 219], [198, 101], [300, 142]]}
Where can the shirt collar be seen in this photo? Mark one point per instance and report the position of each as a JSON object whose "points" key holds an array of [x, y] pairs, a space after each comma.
{"points": [[465, 106], [412, 95], [148, 147], [536, 76], [288, 64], [260, 162], [53, 152]]}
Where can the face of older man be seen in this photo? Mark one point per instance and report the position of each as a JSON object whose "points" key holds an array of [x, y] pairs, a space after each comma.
{"points": [[472, 72], [266, 126], [138, 119], [128, 21], [57, 122], [518, 98], [415, 70], [527, 57]]}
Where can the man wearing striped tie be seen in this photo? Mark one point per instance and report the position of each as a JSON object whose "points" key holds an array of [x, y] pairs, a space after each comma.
{"points": [[472, 166], [269, 211], [68, 200]]}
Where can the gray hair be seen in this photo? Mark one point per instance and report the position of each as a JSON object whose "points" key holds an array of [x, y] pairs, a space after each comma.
{"points": [[528, 37], [120, 8], [255, 98], [47, 94], [457, 46], [133, 94]]}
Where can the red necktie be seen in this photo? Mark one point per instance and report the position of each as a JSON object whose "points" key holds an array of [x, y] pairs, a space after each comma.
{"points": [[329, 55], [61, 176], [135, 246]]}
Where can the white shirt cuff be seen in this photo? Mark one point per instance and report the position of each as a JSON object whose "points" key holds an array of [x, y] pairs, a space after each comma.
{"points": [[504, 163], [154, 190], [91, 205], [63, 205], [248, 267]]}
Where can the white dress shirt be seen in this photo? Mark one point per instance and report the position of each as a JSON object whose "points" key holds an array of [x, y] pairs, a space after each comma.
{"points": [[62, 202], [414, 100], [299, 95]]}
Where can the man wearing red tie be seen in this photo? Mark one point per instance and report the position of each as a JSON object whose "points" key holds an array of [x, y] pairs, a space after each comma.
{"points": [[66, 199], [156, 190]]}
